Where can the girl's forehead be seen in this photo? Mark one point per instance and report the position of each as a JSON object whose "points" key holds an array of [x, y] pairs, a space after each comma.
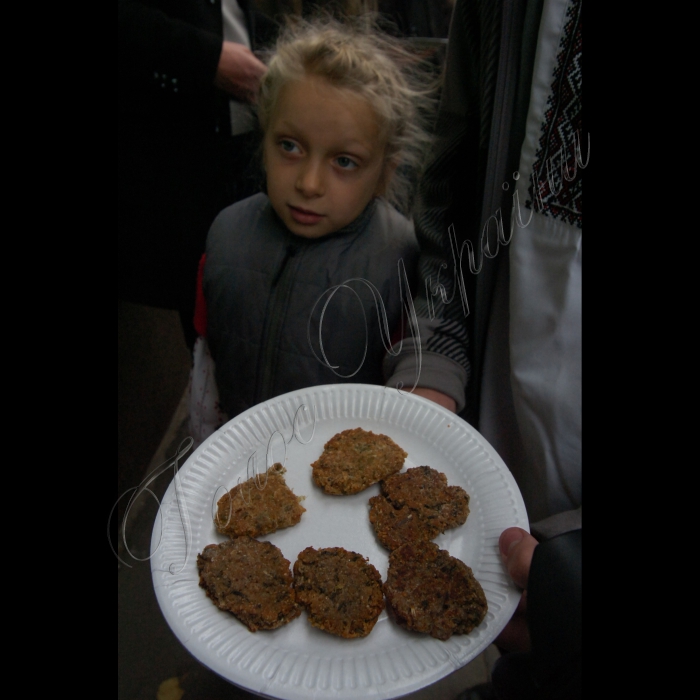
{"points": [[325, 88], [316, 92], [312, 108]]}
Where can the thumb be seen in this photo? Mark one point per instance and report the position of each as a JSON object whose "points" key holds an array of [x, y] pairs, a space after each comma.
{"points": [[517, 547]]}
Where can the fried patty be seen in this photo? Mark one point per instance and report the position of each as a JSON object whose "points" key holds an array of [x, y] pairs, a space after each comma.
{"points": [[431, 592], [250, 579], [354, 460], [417, 505], [253, 511], [341, 591]]}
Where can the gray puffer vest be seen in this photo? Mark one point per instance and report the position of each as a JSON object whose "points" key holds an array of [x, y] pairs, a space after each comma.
{"points": [[269, 293]]}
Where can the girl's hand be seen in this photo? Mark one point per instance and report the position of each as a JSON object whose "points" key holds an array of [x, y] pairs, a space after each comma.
{"points": [[438, 397]]}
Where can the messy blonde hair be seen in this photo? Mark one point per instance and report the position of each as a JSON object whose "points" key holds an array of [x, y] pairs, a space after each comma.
{"points": [[355, 55]]}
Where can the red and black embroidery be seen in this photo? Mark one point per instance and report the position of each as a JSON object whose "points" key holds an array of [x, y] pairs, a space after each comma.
{"points": [[556, 188]]}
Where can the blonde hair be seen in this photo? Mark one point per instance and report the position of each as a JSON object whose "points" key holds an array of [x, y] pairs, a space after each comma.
{"points": [[355, 55]]}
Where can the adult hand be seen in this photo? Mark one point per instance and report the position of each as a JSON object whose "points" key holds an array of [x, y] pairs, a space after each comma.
{"points": [[438, 397], [239, 72], [517, 548]]}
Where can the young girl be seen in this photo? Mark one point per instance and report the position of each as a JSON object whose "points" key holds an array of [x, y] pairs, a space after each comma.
{"points": [[302, 284]]}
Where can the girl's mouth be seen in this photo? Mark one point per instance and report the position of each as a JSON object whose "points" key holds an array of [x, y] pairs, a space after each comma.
{"points": [[304, 217]]}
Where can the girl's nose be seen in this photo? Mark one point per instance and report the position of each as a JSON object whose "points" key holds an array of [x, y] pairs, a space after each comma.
{"points": [[310, 179]]}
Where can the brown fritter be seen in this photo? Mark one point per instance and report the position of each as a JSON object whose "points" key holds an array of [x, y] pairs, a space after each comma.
{"points": [[394, 526], [431, 592], [417, 505], [341, 591], [248, 510], [250, 579], [354, 460]]}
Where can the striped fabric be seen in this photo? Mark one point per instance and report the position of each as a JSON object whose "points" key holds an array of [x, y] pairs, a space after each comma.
{"points": [[479, 135], [452, 188]]}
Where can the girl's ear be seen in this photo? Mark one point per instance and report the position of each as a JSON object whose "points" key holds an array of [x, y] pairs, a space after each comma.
{"points": [[390, 166]]}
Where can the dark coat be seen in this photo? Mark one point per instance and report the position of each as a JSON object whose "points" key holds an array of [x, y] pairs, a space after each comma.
{"points": [[178, 164]]}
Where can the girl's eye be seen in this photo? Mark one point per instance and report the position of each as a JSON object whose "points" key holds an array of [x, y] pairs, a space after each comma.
{"points": [[289, 146], [346, 163]]}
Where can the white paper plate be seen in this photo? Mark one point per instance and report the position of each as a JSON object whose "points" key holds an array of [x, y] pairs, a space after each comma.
{"points": [[298, 662]]}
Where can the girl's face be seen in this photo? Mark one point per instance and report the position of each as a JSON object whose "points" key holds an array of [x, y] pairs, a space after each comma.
{"points": [[324, 157]]}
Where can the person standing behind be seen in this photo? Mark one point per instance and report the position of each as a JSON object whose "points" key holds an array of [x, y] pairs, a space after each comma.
{"points": [[499, 217], [187, 77], [500, 223]]}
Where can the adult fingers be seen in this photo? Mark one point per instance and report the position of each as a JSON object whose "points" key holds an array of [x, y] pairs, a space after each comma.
{"points": [[516, 634], [517, 547], [239, 71]]}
